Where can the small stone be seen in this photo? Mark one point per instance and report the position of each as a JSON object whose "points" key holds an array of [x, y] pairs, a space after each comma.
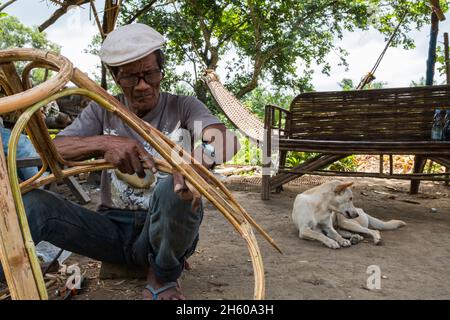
{"points": [[384, 277], [433, 210]]}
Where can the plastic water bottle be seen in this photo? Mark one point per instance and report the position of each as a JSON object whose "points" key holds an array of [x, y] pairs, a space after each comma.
{"points": [[446, 129], [436, 129]]}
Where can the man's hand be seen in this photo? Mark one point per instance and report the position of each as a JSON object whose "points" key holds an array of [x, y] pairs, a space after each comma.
{"points": [[186, 191], [129, 156]]}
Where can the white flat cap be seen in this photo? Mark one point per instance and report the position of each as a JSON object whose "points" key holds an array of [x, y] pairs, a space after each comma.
{"points": [[130, 43]]}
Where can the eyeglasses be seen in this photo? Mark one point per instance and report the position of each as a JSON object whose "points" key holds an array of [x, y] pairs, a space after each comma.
{"points": [[149, 77]]}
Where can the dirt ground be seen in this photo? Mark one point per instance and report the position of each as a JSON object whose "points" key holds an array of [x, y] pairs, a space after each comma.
{"points": [[414, 260]]}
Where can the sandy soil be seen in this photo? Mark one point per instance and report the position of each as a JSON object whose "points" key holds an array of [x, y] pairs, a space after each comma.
{"points": [[414, 260]]}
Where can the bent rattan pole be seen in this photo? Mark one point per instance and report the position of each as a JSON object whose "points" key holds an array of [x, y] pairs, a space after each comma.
{"points": [[239, 224], [42, 91], [26, 82], [26, 234], [13, 254], [171, 152], [166, 150]]}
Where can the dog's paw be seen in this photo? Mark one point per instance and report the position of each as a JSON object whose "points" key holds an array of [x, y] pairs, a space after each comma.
{"points": [[400, 223], [356, 238], [345, 243], [332, 244], [376, 237]]}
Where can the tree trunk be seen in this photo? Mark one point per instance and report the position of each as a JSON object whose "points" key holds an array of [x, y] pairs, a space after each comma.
{"points": [[8, 3], [255, 76], [104, 82], [201, 91]]}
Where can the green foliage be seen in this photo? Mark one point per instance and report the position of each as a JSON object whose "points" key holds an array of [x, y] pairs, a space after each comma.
{"points": [[257, 100], [347, 164], [277, 42], [433, 167], [13, 34], [348, 84], [420, 82], [294, 159], [249, 154], [440, 60]]}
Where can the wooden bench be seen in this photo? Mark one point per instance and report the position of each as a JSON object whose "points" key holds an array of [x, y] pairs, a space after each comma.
{"points": [[341, 123]]}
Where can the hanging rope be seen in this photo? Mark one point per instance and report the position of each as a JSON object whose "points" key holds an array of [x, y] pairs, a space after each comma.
{"points": [[369, 77]]}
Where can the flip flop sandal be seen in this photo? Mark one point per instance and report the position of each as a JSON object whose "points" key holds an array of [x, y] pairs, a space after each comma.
{"points": [[156, 292]]}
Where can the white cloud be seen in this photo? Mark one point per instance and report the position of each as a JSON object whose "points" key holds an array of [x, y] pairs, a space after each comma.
{"points": [[398, 67], [73, 31]]}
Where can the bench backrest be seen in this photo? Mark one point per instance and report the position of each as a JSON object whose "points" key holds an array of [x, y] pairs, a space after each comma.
{"points": [[401, 114]]}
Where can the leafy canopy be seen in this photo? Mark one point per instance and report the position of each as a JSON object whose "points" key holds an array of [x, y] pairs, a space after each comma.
{"points": [[274, 41], [13, 34]]}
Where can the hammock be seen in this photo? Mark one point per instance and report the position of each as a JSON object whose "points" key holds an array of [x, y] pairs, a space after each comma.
{"points": [[246, 122]]}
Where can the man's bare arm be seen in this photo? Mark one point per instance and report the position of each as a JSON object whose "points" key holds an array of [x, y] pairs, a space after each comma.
{"points": [[80, 148], [126, 154]]}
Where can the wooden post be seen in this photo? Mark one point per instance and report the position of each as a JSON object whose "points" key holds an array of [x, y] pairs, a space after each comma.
{"points": [[13, 254], [381, 169], [266, 155], [446, 56], [447, 73], [419, 161]]}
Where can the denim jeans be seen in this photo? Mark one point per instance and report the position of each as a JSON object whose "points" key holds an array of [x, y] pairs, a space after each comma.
{"points": [[163, 237], [25, 149]]}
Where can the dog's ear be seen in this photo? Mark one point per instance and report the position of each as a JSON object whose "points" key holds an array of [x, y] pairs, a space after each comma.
{"points": [[340, 188]]}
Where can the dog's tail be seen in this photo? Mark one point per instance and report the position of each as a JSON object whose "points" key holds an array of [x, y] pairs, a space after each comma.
{"points": [[377, 224]]}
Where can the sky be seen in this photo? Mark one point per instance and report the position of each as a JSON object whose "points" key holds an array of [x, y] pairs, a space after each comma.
{"points": [[74, 32]]}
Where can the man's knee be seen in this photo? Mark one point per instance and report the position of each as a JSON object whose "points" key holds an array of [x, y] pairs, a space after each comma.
{"points": [[172, 206], [164, 189], [165, 196], [39, 203]]}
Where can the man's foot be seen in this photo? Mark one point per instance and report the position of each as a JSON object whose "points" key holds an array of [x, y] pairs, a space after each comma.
{"points": [[158, 290]]}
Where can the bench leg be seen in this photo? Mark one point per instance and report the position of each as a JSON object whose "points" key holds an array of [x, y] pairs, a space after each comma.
{"points": [[419, 165], [266, 165], [283, 155], [265, 192]]}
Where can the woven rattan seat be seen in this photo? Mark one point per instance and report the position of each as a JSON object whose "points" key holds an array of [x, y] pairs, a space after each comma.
{"points": [[340, 123]]}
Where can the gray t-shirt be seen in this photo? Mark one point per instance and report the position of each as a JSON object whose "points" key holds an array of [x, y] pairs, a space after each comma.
{"points": [[181, 118]]}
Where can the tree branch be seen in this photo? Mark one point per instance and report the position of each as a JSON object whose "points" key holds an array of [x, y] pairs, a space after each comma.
{"points": [[141, 12], [60, 12], [8, 3], [259, 64]]}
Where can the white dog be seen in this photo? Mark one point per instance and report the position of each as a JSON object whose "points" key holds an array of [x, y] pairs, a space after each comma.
{"points": [[319, 210]]}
